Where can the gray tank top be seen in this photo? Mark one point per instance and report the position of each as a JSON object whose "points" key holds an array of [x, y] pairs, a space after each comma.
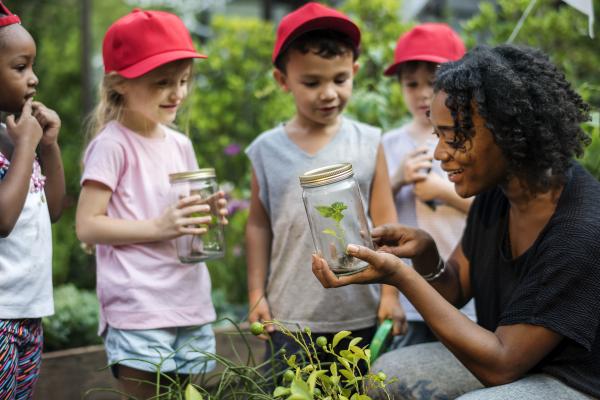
{"points": [[294, 294]]}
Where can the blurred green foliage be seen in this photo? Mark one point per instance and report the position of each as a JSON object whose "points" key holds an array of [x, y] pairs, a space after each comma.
{"points": [[75, 319], [591, 158], [554, 27], [377, 99]]}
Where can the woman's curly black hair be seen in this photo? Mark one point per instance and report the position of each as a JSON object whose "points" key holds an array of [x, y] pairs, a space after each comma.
{"points": [[527, 104]]}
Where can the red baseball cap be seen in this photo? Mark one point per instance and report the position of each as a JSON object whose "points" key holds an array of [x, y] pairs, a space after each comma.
{"points": [[144, 40], [10, 18], [433, 42], [311, 17]]}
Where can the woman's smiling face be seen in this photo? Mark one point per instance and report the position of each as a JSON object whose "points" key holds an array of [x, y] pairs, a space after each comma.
{"points": [[473, 166]]}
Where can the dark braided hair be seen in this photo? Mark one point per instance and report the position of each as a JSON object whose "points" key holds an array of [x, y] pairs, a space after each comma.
{"points": [[528, 105]]}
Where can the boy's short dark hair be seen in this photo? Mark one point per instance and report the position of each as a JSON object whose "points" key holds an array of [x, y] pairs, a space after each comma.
{"points": [[409, 67], [323, 42]]}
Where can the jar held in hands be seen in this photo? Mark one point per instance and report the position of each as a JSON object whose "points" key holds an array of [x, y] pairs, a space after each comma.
{"points": [[210, 245], [336, 215]]}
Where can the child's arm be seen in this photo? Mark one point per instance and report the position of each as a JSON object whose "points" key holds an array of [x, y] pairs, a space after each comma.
{"points": [[24, 136], [94, 226], [436, 187], [383, 211], [50, 160], [258, 247]]}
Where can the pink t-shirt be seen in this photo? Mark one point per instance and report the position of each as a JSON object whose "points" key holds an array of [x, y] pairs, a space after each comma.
{"points": [[144, 286]]}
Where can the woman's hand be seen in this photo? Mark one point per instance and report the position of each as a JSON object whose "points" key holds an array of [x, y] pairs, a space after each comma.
{"points": [[402, 241], [383, 268]]}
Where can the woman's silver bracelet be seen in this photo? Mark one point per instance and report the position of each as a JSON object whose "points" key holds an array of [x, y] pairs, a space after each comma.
{"points": [[441, 267]]}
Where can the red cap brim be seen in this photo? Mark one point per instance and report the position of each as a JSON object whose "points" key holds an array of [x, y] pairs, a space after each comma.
{"points": [[150, 63], [393, 69]]}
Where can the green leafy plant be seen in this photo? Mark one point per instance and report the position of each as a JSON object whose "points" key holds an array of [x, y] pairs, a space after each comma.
{"points": [[307, 376], [335, 212]]}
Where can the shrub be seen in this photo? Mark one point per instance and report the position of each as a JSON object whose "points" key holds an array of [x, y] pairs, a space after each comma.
{"points": [[75, 319]]}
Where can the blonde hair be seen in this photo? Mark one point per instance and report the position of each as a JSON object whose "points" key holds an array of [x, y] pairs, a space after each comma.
{"points": [[109, 107]]}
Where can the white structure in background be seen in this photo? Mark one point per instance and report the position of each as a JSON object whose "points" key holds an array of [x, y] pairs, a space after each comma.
{"points": [[186, 9], [412, 8], [586, 7]]}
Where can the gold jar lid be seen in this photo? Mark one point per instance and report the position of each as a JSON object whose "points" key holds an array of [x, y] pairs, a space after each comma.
{"points": [[204, 173], [326, 175]]}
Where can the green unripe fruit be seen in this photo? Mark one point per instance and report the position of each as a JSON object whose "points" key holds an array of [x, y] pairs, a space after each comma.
{"points": [[288, 375], [321, 341], [382, 376], [307, 330], [257, 328]]}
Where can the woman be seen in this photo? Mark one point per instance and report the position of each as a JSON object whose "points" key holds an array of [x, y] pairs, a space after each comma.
{"points": [[508, 129]]}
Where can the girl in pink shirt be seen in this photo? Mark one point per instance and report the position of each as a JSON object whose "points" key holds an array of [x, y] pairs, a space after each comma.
{"points": [[153, 309]]}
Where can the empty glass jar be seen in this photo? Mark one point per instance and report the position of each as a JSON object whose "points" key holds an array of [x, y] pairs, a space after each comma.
{"points": [[336, 215], [210, 245]]}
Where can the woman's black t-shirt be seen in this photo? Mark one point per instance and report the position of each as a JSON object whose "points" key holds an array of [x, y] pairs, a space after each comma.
{"points": [[554, 284]]}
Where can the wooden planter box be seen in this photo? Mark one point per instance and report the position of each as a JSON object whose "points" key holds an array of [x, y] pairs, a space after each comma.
{"points": [[69, 374]]}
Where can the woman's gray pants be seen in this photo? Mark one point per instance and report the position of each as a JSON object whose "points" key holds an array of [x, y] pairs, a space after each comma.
{"points": [[429, 371]]}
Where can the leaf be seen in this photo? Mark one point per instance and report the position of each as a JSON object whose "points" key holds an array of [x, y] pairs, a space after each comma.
{"points": [[348, 375], [324, 211], [191, 393], [358, 351], [344, 362], [312, 379], [300, 390], [354, 341], [348, 355], [330, 232], [281, 391], [292, 361], [337, 209], [339, 336], [338, 206], [333, 369]]}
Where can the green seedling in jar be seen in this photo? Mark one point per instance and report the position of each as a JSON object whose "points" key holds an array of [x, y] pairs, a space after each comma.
{"points": [[335, 212], [213, 219], [199, 243]]}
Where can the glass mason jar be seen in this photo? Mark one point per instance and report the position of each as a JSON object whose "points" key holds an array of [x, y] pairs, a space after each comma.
{"points": [[336, 215], [210, 245]]}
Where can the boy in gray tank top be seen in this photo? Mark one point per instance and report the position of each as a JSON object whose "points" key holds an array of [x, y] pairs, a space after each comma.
{"points": [[315, 60]]}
